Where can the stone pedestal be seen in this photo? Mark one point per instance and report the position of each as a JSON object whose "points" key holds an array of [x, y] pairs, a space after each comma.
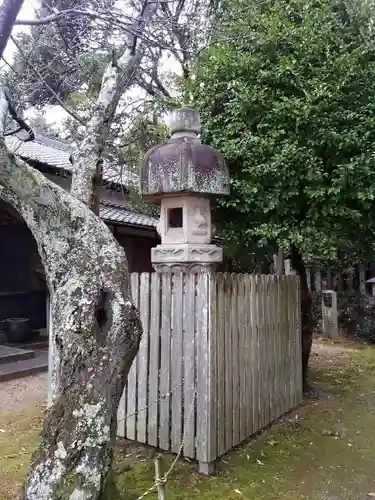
{"points": [[186, 257]]}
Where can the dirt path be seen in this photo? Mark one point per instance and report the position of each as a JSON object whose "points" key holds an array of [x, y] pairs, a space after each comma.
{"points": [[324, 450], [24, 393]]}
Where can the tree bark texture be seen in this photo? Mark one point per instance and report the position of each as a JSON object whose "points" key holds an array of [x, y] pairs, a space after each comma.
{"points": [[118, 77], [306, 314], [9, 10], [87, 176], [96, 332]]}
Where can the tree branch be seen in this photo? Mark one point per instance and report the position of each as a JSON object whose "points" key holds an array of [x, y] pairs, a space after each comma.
{"points": [[72, 113], [58, 15], [9, 10]]}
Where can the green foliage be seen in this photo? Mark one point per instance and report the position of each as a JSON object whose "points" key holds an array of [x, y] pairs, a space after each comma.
{"points": [[287, 93], [58, 59]]}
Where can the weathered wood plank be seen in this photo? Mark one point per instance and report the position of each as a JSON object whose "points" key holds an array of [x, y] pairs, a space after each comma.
{"points": [[246, 380], [249, 332], [189, 338], [284, 361], [228, 365], [165, 361], [268, 347], [153, 382], [299, 341], [256, 351], [132, 407], [144, 311], [243, 355], [263, 337], [277, 348], [290, 345], [213, 366], [295, 342], [176, 363], [272, 345], [205, 449], [221, 360], [234, 323]]}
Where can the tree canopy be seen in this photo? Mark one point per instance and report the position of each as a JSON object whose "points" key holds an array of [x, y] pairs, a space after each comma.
{"points": [[287, 93]]}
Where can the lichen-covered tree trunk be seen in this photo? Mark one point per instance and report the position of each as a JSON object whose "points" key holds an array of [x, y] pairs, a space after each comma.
{"points": [[96, 332]]}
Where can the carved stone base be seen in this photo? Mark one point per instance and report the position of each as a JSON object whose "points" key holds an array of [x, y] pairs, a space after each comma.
{"points": [[186, 257]]}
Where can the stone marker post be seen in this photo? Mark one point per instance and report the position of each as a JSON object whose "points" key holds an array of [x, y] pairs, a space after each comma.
{"points": [[372, 282], [330, 315]]}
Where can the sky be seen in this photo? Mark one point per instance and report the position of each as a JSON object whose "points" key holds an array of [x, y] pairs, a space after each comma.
{"points": [[56, 115], [27, 12]]}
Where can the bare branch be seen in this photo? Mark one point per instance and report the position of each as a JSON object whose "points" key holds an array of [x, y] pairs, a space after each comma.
{"points": [[59, 15], [9, 10], [72, 113]]}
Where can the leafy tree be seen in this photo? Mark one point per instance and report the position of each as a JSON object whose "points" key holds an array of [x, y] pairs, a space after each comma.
{"points": [[287, 93]]}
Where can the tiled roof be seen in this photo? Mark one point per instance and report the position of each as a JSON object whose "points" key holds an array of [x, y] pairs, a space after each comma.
{"points": [[118, 214], [41, 152], [59, 154]]}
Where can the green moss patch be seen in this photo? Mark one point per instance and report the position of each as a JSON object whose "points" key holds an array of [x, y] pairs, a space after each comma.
{"points": [[324, 450]]}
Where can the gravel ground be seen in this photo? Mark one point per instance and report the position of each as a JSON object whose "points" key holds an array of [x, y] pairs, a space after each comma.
{"points": [[20, 394]]}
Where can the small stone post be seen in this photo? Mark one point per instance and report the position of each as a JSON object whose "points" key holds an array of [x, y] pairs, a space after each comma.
{"points": [[372, 282], [279, 262], [330, 315]]}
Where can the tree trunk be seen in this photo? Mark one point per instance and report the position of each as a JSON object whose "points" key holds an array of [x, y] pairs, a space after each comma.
{"points": [[96, 332], [306, 314]]}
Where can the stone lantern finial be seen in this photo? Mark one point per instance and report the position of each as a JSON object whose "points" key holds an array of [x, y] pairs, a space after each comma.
{"points": [[185, 122], [184, 176]]}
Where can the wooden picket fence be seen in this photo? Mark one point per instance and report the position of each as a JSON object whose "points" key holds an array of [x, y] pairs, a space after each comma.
{"points": [[220, 359], [320, 279]]}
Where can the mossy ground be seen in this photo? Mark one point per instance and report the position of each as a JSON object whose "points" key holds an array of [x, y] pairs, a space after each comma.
{"points": [[325, 450]]}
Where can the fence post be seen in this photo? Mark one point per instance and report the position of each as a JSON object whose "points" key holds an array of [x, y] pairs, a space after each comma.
{"points": [[206, 397], [330, 314], [159, 478]]}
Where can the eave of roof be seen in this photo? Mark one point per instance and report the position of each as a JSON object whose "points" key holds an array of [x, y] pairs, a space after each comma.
{"points": [[57, 156], [120, 215]]}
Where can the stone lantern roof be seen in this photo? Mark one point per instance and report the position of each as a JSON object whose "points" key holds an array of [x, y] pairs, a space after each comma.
{"points": [[183, 164]]}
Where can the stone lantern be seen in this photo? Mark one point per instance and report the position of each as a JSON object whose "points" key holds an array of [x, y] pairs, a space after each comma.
{"points": [[184, 177]]}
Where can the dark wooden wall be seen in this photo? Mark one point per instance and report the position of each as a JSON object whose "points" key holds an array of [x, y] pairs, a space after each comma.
{"points": [[20, 296], [23, 290], [138, 251]]}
